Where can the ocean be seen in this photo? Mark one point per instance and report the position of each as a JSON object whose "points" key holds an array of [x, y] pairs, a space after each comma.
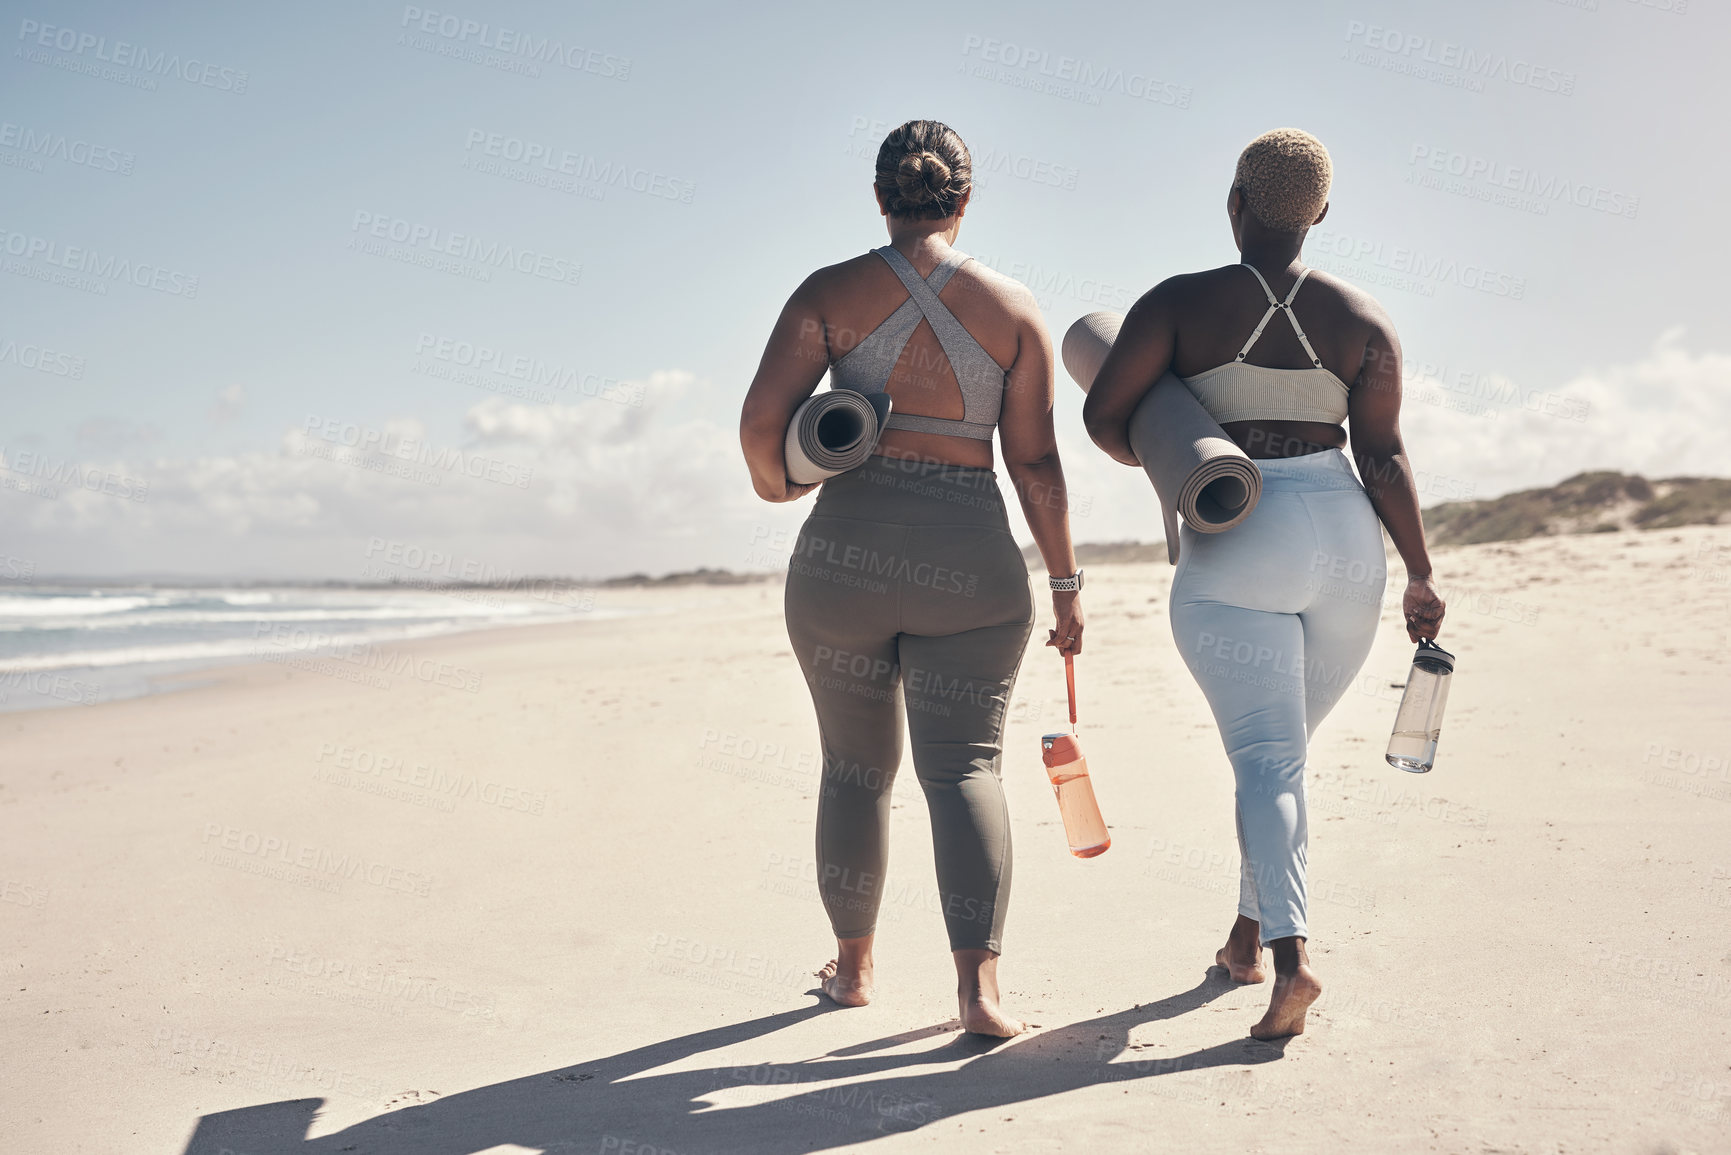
{"points": [[69, 646]]}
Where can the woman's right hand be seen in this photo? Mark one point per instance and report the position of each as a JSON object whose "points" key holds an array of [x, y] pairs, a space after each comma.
{"points": [[1424, 609], [793, 491], [1067, 609]]}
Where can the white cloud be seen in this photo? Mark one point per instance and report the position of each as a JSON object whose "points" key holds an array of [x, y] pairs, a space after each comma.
{"points": [[621, 487], [610, 487], [1661, 416]]}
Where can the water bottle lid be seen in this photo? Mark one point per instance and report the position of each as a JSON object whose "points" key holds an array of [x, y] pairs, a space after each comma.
{"points": [[1432, 658], [1060, 749]]}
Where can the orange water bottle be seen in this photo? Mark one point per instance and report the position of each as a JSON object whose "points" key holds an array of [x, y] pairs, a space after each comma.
{"points": [[1084, 829]]}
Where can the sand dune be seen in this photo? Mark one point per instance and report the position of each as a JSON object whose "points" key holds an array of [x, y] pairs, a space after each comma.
{"points": [[573, 910]]}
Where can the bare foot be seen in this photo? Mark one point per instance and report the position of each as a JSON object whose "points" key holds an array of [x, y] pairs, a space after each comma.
{"points": [[977, 995], [1292, 996], [981, 1016], [847, 978], [1242, 954], [853, 990]]}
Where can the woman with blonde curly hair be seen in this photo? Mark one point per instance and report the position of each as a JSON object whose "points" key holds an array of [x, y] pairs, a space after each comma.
{"points": [[905, 583], [1275, 617]]}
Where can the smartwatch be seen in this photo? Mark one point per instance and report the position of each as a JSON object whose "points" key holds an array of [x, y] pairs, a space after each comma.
{"points": [[1065, 584]]}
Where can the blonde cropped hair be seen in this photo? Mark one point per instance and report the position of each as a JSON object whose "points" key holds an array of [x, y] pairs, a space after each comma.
{"points": [[1284, 176]]}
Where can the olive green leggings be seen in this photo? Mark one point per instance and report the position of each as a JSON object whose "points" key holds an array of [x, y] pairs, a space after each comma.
{"points": [[905, 578]]}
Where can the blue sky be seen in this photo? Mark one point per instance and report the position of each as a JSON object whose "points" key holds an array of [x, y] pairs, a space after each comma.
{"points": [[526, 255]]}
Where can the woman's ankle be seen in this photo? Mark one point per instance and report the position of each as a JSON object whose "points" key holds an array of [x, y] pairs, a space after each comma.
{"points": [[974, 968], [854, 954], [1290, 953]]}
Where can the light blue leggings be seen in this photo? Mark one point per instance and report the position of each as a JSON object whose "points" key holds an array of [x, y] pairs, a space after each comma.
{"points": [[1274, 618]]}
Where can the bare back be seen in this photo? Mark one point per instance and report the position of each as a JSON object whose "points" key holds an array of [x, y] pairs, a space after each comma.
{"points": [[1213, 312], [854, 298]]}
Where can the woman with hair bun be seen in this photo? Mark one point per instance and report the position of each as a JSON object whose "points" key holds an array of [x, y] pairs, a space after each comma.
{"points": [[1275, 617], [905, 583]]}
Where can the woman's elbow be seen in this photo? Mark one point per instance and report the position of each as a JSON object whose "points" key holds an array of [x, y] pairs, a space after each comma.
{"points": [[1102, 430]]}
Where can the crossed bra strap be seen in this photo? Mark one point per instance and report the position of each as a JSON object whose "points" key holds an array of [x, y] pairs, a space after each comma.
{"points": [[1276, 305], [980, 378]]}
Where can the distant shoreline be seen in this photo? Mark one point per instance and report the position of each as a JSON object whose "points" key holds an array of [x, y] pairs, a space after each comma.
{"points": [[1602, 501]]}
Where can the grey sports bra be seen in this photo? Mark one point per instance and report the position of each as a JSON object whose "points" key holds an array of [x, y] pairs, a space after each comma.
{"points": [[1238, 391], [867, 366]]}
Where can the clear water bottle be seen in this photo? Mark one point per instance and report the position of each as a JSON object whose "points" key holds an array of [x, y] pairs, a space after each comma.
{"points": [[1084, 829], [1418, 722]]}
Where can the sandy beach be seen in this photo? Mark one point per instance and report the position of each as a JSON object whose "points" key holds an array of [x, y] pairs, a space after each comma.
{"points": [[551, 890]]}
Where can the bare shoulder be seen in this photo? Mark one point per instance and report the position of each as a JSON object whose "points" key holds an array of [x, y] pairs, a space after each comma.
{"points": [[834, 279], [1012, 295], [1002, 295], [1354, 302], [1169, 297]]}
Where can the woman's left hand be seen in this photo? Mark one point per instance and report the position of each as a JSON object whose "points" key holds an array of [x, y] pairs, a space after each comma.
{"points": [[794, 491], [1067, 609]]}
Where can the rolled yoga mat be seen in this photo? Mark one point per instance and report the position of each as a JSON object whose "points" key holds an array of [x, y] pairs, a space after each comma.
{"points": [[832, 433], [1197, 470]]}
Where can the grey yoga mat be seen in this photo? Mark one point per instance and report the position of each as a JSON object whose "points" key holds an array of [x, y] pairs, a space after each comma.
{"points": [[832, 433], [1196, 469]]}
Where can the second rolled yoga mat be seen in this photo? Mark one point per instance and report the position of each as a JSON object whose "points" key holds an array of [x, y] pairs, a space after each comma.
{"points": [[832, 433], [1197, 470]]}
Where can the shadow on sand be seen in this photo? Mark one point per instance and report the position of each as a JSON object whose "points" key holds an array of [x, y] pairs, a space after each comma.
{"points": [[608, 1106]]}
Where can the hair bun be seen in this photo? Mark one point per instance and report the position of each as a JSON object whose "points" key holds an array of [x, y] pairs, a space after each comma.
{"points": [[922, 177], [923, 171]]}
